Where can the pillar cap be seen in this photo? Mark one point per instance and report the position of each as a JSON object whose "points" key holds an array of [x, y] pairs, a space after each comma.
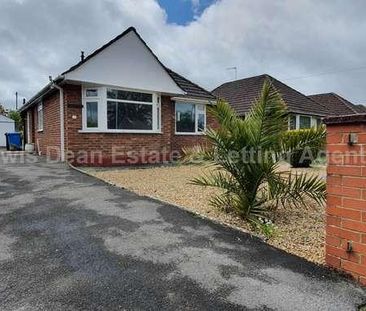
{"points": [[346, 119]]}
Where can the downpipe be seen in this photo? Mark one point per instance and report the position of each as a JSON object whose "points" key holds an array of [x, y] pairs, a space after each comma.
{"points": [[62, 120]]}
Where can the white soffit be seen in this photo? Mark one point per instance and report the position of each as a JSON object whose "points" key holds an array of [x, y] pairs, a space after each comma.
{"points": [[126, 63]]}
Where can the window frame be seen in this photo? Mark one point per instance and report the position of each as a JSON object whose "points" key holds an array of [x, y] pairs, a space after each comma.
{"points": [[196, 132], [132, 102], [86, 113], [90, 99], [308, 117], [313, 121], [117, 102], [289, 122], [40, 125], [102, 110]]}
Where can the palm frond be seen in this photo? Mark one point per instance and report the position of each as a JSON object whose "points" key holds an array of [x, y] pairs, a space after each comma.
{"points": [[217, 179], [197, 154], [300, 139], [267, 120], [294, 188]]}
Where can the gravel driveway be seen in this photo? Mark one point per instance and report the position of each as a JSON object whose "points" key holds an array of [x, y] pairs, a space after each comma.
{"points": [[71, 242]]}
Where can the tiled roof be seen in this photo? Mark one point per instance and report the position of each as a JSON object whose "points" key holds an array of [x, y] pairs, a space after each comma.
{"points": [[336, 104], [360, 108], [241, 95], [193, 90]]}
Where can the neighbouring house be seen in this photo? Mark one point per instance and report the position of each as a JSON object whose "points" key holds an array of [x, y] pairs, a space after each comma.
{"points": [[337, 105], [119, 105], [7, 125], [241, 94]]}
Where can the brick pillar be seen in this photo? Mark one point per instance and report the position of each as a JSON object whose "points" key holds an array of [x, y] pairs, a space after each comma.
{"points": [[346, 201]]}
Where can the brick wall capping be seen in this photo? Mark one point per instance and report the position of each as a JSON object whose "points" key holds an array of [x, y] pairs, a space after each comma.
{"points": [[346, 119]]}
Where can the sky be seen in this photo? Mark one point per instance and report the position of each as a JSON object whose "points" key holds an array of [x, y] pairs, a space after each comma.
{"points": [[313, 46]]}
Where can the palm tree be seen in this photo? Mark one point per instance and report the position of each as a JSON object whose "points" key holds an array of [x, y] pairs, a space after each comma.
{"points": [[245, 154]]}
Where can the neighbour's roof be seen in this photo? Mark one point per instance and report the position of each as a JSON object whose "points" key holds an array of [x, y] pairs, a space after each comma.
{"points": [[241, 95], [193, 90], [360, 108], [5, 119], [336, 104]]}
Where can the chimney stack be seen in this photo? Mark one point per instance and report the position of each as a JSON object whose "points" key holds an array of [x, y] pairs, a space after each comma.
{"points": [[23, 101], [82, 56]]}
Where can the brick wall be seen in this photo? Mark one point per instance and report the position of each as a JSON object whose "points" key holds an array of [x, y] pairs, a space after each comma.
{"points": [[180, 141], [100, 149], [47, 141], [346, 202]]}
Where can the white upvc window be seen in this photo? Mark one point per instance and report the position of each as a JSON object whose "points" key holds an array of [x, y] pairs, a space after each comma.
{"points": [[190, 118], [292, 122], [297, 122], [118, 110], [40, 117], [304, 122], [91, 108]]}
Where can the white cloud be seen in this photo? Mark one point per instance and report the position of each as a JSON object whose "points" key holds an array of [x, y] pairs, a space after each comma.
{"points": [[195, 7], [284, 38]]}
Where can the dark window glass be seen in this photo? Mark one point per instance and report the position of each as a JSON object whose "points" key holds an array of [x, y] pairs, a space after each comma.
{"points": [[305, 122], [292, 122], [185, 118], [129, 116], [128, 95], [112, 115], [200, 109], [92, 114], [201, 122], [91, 93]]}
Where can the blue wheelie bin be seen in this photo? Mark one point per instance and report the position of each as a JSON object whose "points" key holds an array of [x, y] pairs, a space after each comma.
{"points": [[14, 141]]}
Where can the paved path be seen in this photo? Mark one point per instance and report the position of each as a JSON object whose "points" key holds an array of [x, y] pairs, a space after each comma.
{"points": [[70, 242]]}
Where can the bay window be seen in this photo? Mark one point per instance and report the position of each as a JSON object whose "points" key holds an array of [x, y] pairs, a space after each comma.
{"points": [[128, 110], [117, 110], [129, 116], [296, 122], [190, 118]]}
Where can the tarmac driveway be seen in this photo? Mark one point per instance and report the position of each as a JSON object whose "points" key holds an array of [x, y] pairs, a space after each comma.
{"points": [[71, 242]]}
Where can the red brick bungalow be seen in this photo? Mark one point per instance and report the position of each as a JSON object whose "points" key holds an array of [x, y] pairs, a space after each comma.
{"points": [[120, 105]]}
